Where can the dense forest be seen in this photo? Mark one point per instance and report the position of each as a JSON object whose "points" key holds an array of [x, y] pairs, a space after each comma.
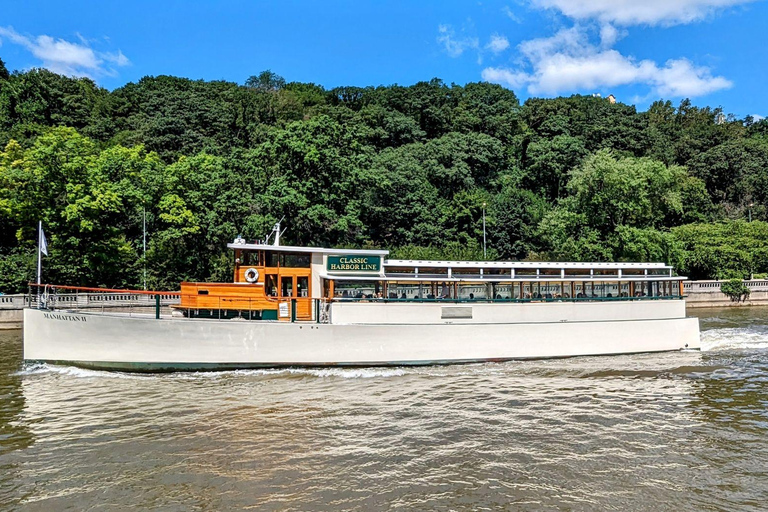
{"points": [[409, 169]]}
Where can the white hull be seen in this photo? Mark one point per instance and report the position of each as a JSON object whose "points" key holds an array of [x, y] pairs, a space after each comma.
{"points": [[495, 332]]}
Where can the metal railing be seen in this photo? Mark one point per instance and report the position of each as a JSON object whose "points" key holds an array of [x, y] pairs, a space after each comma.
{"points": [[508, 300], [76, 298], [293, 309], [133, 302]]}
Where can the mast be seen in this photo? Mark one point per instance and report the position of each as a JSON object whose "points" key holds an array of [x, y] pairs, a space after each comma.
{"points": [[145, 249], [276, 229], [39, 252]]}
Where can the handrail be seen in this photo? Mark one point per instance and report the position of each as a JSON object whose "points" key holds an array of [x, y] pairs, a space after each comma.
{"points": [[508, 300], [104, 290]]}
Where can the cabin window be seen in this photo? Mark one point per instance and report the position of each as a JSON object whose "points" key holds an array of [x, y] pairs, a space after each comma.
{"points": [[356, 289], [576, 272], [473, 291], [405, 290], [433, 271], [502, 291], [466, 272], [408, 271], [293, 260], [302, 286], [272, 259], [270, 285], [286, 286]]}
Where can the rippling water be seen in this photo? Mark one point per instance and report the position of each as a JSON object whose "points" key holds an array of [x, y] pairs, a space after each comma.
{"points": [[677, 431]]}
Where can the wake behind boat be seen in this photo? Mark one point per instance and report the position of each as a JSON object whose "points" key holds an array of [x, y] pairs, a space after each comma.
{"points": [[309, 306]]}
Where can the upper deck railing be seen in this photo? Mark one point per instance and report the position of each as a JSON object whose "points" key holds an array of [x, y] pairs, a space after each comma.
{"points": [[80, 297]]}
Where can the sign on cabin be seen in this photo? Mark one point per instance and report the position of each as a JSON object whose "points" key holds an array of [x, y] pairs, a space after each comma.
{"points": [[354, 263]]}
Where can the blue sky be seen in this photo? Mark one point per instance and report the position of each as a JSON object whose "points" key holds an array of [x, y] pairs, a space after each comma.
{"points": [[709, 50]]}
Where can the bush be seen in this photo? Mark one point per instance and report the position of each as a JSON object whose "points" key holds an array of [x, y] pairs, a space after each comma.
{"points": [[735, 289]]}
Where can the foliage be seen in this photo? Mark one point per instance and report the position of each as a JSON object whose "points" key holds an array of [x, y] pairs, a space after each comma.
{"points": [[414, 169], [735, 289], [723, 250]]}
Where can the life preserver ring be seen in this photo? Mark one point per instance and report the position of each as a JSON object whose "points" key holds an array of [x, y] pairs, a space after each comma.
{"points": [[251, 275]]}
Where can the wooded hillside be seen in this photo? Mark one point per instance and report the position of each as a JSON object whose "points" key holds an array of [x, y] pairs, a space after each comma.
{"points": [[404, 168]]}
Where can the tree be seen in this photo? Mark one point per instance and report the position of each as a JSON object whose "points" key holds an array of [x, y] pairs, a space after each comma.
{"points": [[266, 81], [63, 181], [735, 174], [388, 166], [735, 289], [723, 250], [4, 74]]}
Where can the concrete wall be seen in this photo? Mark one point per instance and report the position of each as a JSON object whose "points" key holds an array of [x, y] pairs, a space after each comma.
{"points": [[707, 294], [10, 318]]}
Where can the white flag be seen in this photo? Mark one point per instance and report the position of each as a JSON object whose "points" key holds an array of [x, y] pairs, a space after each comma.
{"points": [[43, 243]]}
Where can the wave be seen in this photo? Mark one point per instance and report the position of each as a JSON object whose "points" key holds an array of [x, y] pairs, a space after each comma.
{"points": [[74, 371], [344, 373], [735, 338]]}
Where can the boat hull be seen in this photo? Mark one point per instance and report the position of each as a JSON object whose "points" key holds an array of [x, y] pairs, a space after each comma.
{"points": [[171, 344]]}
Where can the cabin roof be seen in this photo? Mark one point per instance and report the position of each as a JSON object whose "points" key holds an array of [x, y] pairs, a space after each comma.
{"points": [[453, 264], [320, 250], [522, 264], [497, 278]]}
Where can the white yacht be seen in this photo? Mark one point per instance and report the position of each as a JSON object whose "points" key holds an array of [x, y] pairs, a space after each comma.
{"points": [[309, 306]]}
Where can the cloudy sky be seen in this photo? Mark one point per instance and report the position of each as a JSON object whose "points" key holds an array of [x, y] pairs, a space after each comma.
{"points": [[709, 50]]}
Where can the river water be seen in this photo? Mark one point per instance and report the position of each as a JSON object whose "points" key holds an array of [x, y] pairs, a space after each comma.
{"points": [[675, 431]]}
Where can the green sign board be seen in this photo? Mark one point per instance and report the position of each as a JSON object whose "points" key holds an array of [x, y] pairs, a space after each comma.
{"points": [[354, 263]]}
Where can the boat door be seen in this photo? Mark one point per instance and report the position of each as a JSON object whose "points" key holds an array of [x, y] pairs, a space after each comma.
{"points": [[286, 286], [304, 304], [297, 287]]}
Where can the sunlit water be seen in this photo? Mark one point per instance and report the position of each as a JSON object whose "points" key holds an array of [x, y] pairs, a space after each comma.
{"points": [[676, 431]]}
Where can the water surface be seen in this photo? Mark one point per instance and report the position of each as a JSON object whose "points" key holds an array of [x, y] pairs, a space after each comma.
{"points": [[676, 431]]}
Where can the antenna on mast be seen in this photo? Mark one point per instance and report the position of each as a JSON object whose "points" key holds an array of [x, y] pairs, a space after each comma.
{"points": [[277, 232]]}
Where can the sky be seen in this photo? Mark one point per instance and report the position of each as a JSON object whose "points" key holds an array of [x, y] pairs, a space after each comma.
{"points": [[638, 50]]}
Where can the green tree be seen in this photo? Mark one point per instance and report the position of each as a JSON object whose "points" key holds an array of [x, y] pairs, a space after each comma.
{"points": [[736, 290], [723, 250]]}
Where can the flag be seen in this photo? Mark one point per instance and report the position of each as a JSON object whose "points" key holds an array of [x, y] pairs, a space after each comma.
{"points": [[43, 243]]}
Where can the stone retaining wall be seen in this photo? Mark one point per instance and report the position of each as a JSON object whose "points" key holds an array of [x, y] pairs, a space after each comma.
{"points": [[707, 294]]}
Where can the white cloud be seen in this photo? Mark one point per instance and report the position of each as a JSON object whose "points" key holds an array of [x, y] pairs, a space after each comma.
{"points": [[65, 57], [498, 43], [609, 35], [512, 79], [453, 45], [567, 61], [639, 12], [511, 15], [757, 118], [116, 58]]}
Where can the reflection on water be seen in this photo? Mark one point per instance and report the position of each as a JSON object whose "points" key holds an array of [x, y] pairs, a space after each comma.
{"points": [[682, 430]]}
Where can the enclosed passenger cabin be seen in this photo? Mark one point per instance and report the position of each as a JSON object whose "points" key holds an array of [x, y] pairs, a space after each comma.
{"points": [[277, 282]]}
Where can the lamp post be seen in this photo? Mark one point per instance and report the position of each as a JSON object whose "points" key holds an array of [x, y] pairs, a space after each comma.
{"points": [[485, 254], [750, 211]]}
